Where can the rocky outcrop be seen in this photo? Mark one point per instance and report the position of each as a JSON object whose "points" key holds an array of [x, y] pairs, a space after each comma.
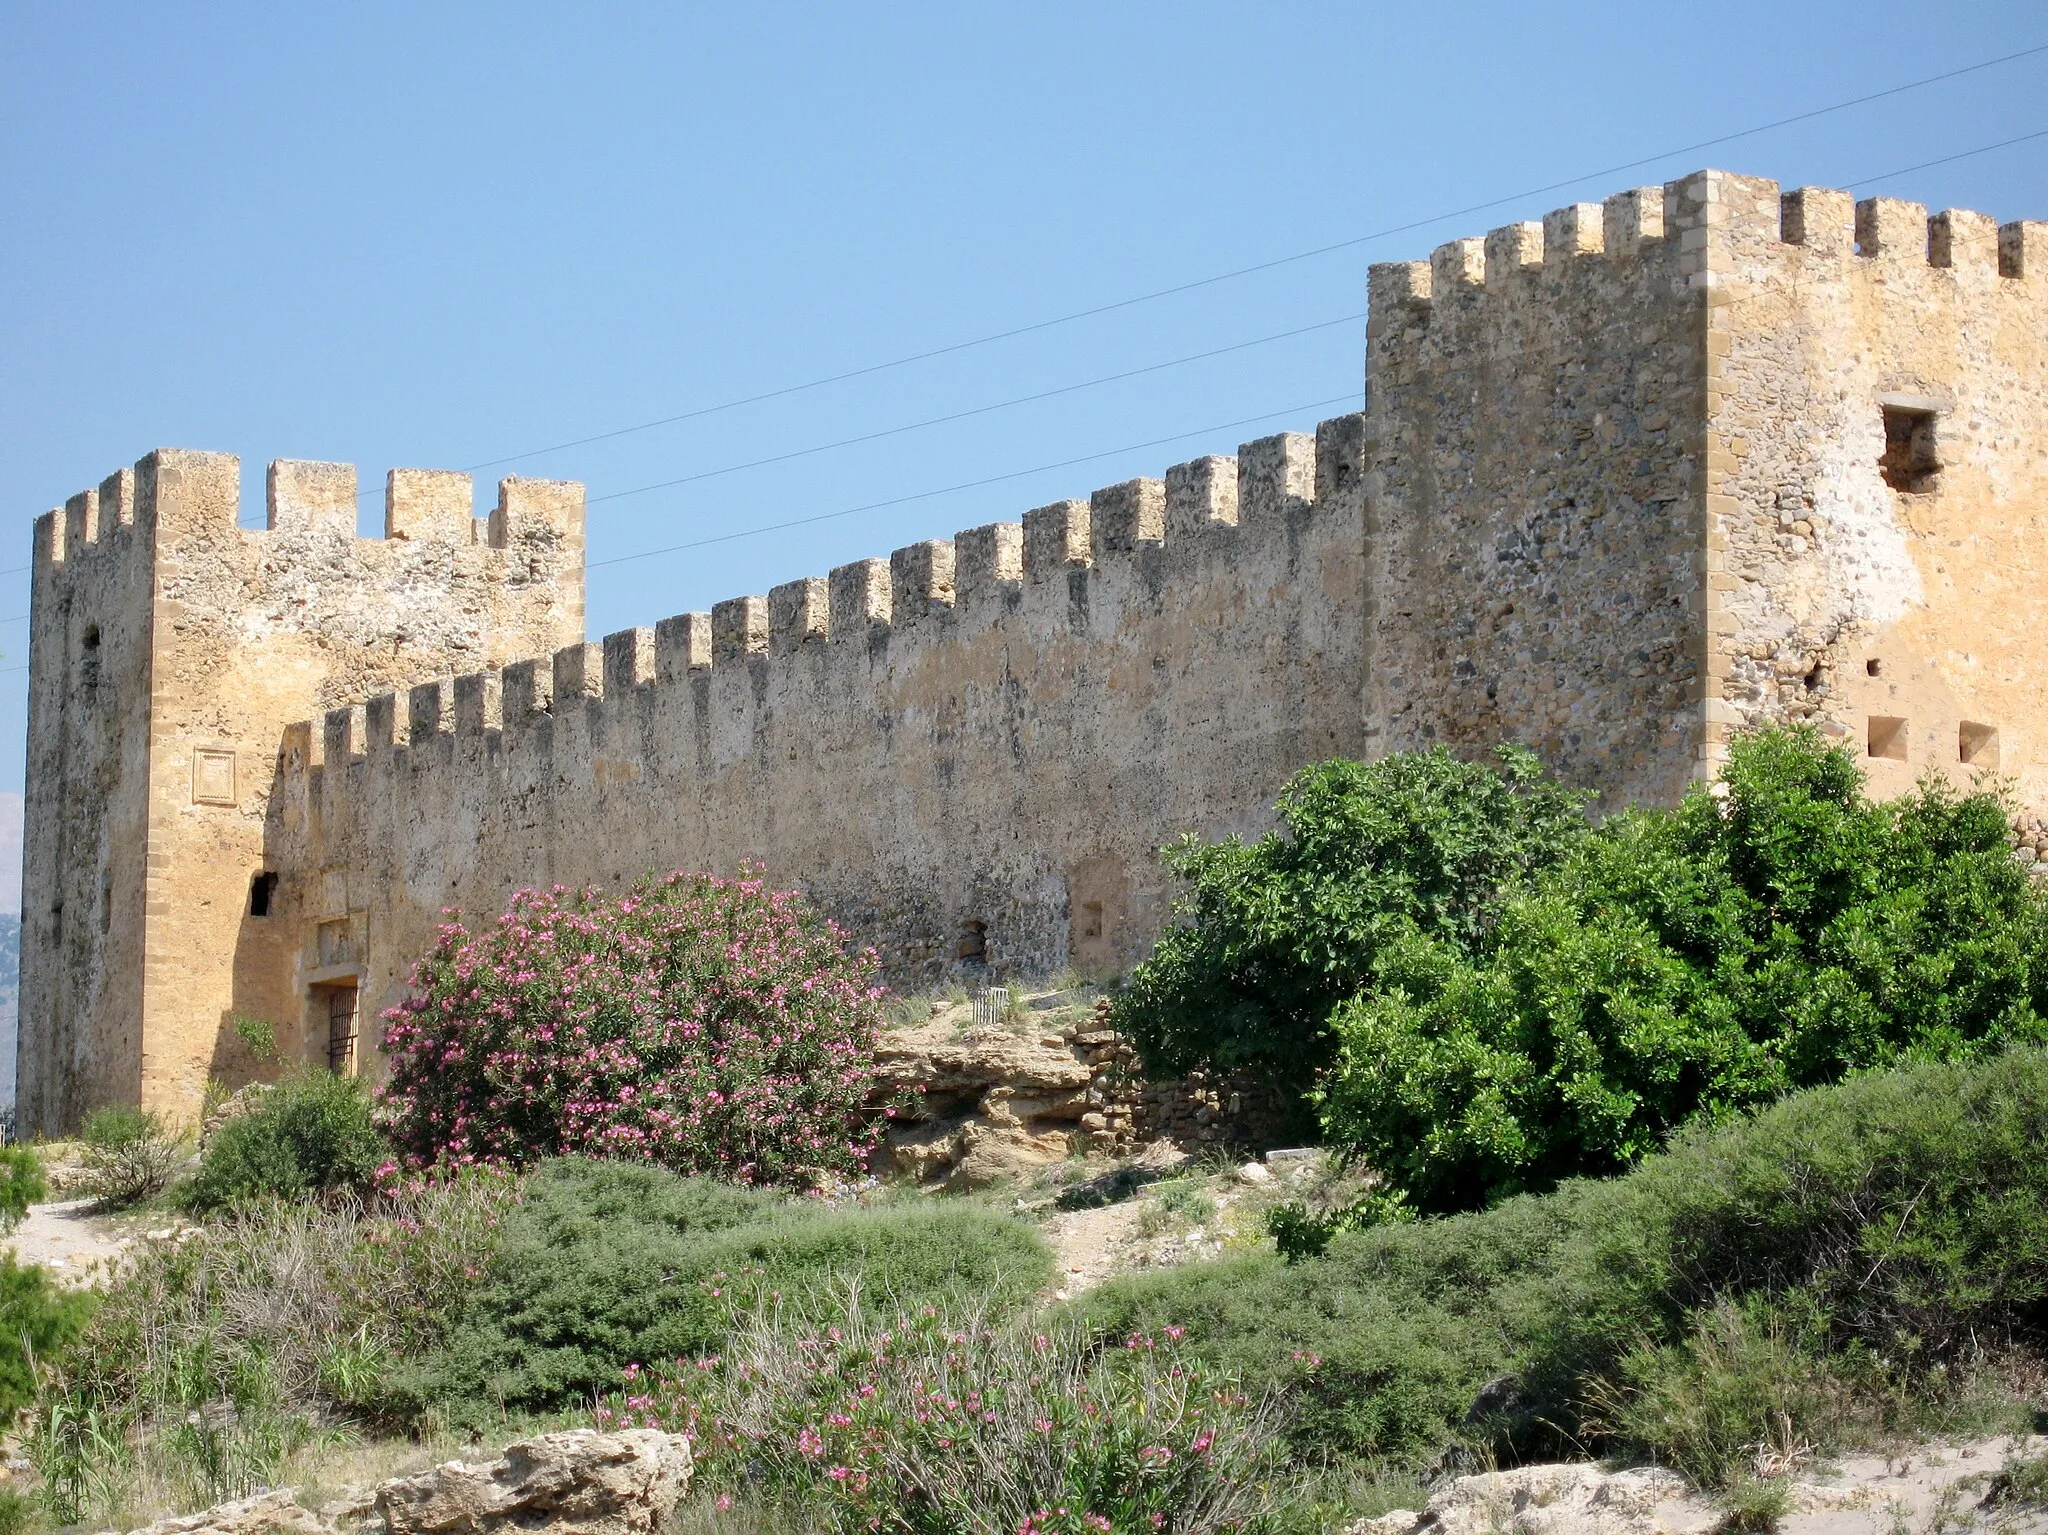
{"points": [[1934, 1487], [1574, 1499], [575, 1483], [995, 1102], [269, 1513], [992, 1102], [578, 1482]]}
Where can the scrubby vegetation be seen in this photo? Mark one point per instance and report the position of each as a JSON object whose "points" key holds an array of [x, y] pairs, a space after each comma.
{"points": [[706, 1025], [273, 1323], [1506, 996], [37, 1320], [21, 1184], [1707, 1137], [1860, 1254], [130, 1155], [311, 1134], [605, 1265], [909, 1421]]}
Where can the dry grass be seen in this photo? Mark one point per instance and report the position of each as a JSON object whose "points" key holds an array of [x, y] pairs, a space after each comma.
{"points": [[251, 1353]]}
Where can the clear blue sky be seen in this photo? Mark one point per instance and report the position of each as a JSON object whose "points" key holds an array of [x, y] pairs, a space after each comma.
{"points": [[438, 235]]}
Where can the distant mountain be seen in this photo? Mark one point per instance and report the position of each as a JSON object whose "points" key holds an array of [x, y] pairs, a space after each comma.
{"points": [[10, 856], [10, 997]]}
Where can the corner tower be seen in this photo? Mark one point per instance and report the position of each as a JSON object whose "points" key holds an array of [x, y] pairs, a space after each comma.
{"points": [[169, 650]]}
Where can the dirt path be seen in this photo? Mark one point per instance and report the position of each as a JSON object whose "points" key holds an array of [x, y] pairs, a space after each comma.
{"points": [[1090, 1244], [77, 1247]]}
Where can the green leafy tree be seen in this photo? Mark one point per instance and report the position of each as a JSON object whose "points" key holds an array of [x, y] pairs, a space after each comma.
{"points": [[1774, 932], [1368, 859], [37, 1319], [21, 1184]]}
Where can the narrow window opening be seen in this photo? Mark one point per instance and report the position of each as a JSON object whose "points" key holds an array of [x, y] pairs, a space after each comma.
{"points": [[341, 1030], [1977, 744], [1910, 462], [973, 942], [1091, 919], [1873, 667], [261, 889], [89, 657], [1887, 737]]}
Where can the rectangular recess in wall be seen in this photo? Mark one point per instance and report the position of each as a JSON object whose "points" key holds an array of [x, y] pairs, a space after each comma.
{"points": [[1911, 461], [1977, 744], [1887, 737], [334, 943]]}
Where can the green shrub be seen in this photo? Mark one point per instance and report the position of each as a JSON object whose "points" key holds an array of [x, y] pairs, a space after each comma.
{"points": [[18, 1512], [310, 1134], [609, 1264], [1747, 1393], [937, 1427], [1277, 932], [1770, 937], [37, 1320], [1900, 1216], [21, 1184], [129, 1155], [1488, 995]]}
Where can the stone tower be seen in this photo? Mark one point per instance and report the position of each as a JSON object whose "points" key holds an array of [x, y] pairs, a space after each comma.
{"points": [[170, 648]]}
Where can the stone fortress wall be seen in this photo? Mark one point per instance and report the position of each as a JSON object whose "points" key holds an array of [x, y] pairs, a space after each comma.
{"points": [[1703, 456]]}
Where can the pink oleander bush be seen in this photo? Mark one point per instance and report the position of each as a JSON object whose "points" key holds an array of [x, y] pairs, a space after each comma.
{"points": [[705, 1025], [918, 1424]]}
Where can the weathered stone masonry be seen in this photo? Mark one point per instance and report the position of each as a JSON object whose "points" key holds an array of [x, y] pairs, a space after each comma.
{"points": [[1647, 471]]}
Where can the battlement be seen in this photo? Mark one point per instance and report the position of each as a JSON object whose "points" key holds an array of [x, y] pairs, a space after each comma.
{"points": [[176, 496], [1671, 228], [938, 591]]}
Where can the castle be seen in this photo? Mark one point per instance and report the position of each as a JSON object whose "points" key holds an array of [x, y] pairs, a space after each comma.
{"points": [[1626, 480]]}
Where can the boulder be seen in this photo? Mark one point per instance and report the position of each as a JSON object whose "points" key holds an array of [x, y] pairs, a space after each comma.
{"points": [[995, 1105], [1570, 1499], [579, 1482], [268, 1513]]}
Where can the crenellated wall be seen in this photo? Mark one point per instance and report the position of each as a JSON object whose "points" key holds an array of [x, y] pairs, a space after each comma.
{"points": [[1702, 456], [972, 749], [1906, 620]]}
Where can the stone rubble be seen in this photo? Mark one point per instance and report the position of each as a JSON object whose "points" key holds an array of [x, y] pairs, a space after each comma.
{"points": [[1925, 1491]]}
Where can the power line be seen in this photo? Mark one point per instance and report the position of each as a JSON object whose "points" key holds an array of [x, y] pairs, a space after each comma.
{"points": [[947, 490], [979, 410], [1905, 170], [1982, 149], [1264, 266], [1134, 447]]}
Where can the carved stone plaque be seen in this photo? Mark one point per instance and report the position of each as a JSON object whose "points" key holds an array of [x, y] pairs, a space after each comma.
{"points": [[213, 777]]}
